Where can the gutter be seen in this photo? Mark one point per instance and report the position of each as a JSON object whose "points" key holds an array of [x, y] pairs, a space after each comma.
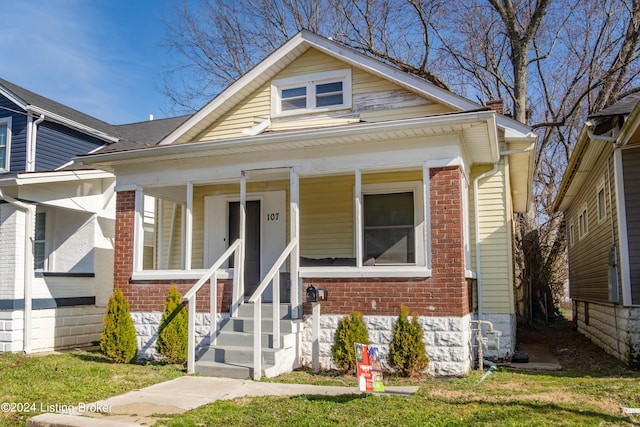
{"points": [[29, 211], [476, 214]]}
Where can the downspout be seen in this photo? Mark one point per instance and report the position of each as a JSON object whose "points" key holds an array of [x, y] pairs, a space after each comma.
{"points": [[31, 142], [477, 218], [27, 265]]}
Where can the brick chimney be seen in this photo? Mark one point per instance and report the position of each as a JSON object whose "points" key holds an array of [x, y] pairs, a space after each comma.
{"points": [[497, 105]]}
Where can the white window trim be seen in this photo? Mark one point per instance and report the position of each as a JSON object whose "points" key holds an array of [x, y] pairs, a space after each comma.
{"points": [[310, 81], [601, 187], [418, 216], [48, 240], [8, 121], [582, 233], [571, 234]]}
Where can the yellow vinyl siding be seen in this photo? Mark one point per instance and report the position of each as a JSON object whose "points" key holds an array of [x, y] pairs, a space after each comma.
{"points": [[170, 220], [387, 177], [404, 112], [495, 240], [252, 110], [257, 107], [326, 217]]}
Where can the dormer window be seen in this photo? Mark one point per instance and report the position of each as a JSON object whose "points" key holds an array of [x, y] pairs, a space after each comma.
{"points": [[311, 93]]}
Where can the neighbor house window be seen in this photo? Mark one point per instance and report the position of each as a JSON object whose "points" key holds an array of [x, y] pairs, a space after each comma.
{"points": [[582, 223], [5, 143], [571, 234], [39, 242], [602, 201], [311, 93]]}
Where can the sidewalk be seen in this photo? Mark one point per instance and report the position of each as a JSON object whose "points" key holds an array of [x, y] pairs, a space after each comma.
{"points": [[180, 395]]}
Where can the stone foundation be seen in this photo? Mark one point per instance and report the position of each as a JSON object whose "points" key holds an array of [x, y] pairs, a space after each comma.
{"points": [[506, 324], [613, 328], [447, 340], [147, 325]]}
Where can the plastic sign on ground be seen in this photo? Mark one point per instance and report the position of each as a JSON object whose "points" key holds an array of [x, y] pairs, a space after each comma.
{"points": [[369, 368]]}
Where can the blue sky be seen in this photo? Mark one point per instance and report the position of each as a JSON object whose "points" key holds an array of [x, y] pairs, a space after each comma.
{"points": [[102, 57]]}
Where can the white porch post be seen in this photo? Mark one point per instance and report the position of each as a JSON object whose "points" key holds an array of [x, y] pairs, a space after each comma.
{"points": [[426, 212], [188, 227], [358, 204], [138, 234], [160, 234], [294, 215], [239, 262]]}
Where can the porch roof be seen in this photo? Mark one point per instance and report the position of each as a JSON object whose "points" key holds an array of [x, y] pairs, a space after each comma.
{"points": [[477, 129]]}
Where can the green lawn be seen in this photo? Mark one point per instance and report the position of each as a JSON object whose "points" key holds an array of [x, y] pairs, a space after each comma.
{"points": [[574, 397], [505, 398], [68, 379]]}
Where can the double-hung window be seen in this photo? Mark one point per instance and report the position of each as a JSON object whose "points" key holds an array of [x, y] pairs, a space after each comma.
{"points": [[39, 242], [583, 225], [5, 143], [311, 93], [389, 228], [393, 225]]}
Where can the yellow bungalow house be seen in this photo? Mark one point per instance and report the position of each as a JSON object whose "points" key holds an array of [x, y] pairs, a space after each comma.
{"points": [[323, 168]]}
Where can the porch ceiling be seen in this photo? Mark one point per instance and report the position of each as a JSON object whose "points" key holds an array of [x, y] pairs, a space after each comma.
{"points": [[477, 130]]}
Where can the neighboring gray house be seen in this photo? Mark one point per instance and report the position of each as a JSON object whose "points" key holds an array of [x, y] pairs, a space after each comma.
{"points": [[600, 197], [56, 221]]}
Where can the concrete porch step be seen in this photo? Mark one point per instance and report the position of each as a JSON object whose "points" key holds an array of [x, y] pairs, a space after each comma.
{"points": [[245, 311], [224, 370], [238, 355], [245, 339], [245, 324]]}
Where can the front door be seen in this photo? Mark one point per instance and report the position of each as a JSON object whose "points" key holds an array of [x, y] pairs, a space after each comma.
{"points": [[252, 246], [266, 232]]}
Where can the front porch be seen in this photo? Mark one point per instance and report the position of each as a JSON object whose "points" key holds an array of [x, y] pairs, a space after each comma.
{"points": [[376, 238]]}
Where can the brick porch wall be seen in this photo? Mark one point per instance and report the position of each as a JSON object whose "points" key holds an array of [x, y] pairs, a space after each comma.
{"points": [[445, 293]]}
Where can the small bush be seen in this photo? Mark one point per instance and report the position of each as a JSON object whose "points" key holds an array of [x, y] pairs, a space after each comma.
{"points": [[407, 352], [118, 341], [351, 329], [173, 335]]}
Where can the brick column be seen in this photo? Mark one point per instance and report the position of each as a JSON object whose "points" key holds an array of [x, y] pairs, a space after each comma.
{"points": [[123, 248], [447, 239]]}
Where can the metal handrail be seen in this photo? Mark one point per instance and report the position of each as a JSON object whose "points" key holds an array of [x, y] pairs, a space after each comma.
{"points": [[190, 297], [256, 299]]}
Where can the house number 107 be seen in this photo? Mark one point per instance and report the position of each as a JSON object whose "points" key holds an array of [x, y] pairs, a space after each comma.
{"points": [[273, 216]]}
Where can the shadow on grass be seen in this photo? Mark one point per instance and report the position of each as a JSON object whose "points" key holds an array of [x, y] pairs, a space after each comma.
{"points": [[538, 410], [96, 356], [343, 398]]}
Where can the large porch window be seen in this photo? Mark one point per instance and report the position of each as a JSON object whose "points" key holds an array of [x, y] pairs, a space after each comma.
{"points": [[163, 227], [389, 228]]}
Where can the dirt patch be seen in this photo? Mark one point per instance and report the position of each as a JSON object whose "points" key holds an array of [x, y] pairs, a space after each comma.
{"points": [[573, 350]]}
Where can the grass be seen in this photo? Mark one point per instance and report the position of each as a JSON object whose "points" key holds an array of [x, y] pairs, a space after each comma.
{"points": [[505, 398], [590, 391], [68, 379]]}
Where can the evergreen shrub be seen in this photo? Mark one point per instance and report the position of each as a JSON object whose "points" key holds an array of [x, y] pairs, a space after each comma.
{"points": [[173, 334], [351, 329], [407, 352], [118, 340]]}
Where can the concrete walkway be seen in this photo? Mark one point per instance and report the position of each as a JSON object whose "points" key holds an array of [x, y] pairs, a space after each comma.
{"points": [[180, 395]]}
